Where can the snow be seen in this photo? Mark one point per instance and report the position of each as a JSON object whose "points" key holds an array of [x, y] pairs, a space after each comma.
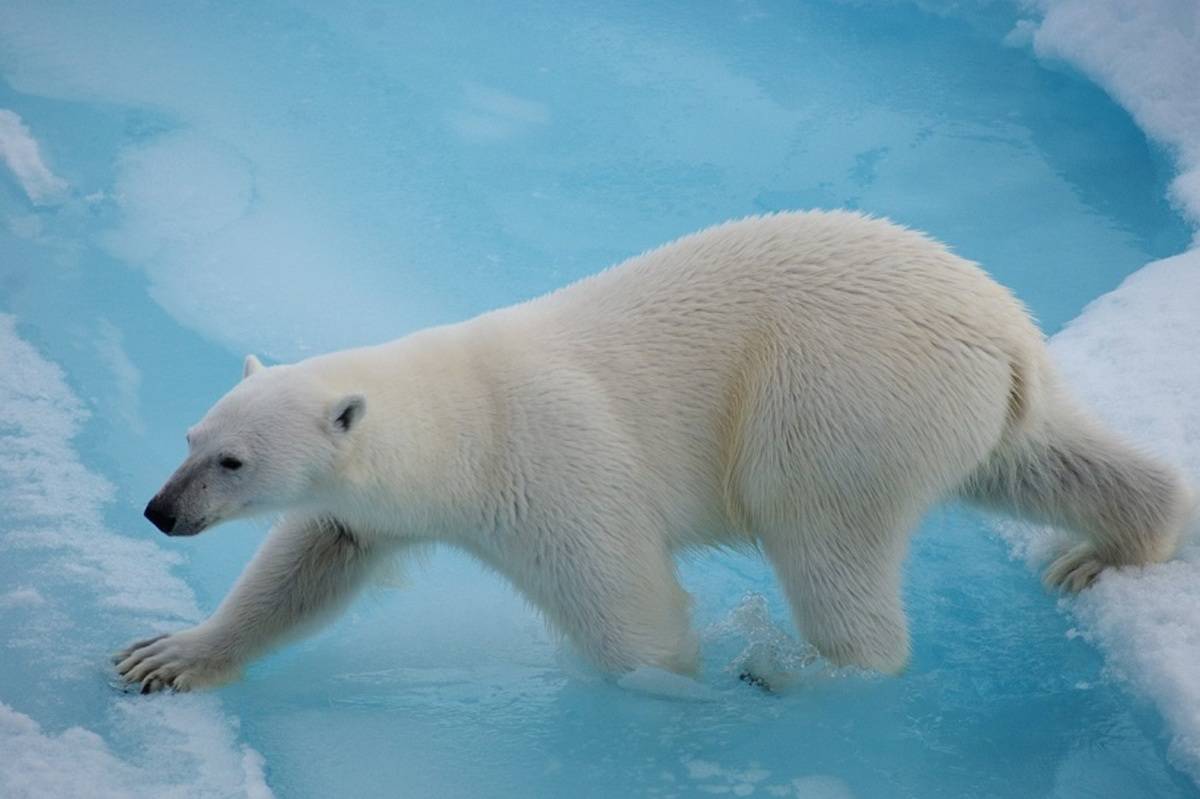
{"points": [[23, 156], [1132, 356], [53, 508], [78, 762]]}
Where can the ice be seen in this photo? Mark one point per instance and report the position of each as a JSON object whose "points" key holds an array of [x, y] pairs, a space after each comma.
{"points": [[127, 378], [665, 684], [23, 156], [53, 509], [362, 142], [489, 114], [24, 596], [713, 779], [771, 657], [815, 787]]}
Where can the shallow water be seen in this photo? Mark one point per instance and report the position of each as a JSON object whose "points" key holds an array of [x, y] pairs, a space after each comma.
{"points": [[289, 179]]}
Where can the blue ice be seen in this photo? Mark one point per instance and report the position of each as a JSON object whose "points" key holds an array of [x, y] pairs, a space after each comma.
{"points": [[291, 177]]}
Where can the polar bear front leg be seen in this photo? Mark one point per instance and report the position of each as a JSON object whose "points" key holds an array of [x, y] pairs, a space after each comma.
{"points": [[306, 570]]}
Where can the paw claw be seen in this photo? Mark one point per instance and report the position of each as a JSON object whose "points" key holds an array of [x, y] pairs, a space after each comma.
{"points": [[175, 662], [124, 654], [1074, 570]]}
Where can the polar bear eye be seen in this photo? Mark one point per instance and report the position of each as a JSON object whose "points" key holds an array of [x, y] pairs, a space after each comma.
{"points": [[231, 463]]}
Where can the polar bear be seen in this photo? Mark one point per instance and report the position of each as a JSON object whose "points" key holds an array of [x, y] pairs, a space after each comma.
{"points": [[807, 384]]}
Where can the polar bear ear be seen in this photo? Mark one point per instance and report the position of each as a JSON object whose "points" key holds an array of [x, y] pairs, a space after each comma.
{"points": [[347, 412], [250, 366]]}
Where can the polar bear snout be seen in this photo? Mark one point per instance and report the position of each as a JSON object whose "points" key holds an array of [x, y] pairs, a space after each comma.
{"points": [[161, 515], [166, 515], [173, 517], [183, 505]]}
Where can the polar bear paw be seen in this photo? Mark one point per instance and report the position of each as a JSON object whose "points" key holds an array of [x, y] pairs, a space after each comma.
{"points": [[181, 661], [1075, 569]]}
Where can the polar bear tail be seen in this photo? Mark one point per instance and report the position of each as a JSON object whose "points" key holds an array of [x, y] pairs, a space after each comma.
{"points": [[1057, 465]]}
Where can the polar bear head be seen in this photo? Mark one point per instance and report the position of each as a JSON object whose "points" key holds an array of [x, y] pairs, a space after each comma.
{"points": [[271, 443]]}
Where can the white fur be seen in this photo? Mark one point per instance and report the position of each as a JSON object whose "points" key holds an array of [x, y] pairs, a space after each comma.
{"points": [[805, 383]]}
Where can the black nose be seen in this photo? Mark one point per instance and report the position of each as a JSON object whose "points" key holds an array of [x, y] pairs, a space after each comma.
{"points": [[160, 516]]}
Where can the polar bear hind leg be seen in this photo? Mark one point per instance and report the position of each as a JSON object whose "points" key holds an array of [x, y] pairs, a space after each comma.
{"points": [[842, 577], [620, 605], [1127, 508]]}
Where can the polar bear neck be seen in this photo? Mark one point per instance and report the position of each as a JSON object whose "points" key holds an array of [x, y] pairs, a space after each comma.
{"points": [[418, 463]]}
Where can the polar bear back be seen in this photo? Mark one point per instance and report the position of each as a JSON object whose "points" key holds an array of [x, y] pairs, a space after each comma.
{"points": [[744, 360]]}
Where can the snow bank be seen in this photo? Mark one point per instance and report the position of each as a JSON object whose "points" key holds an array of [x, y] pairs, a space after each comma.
{"points": [[78, 762], [53, 535], [1132, 356], [1132, 353]]}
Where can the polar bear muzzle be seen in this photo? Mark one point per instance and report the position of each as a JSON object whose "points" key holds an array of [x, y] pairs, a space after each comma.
{"points": [[164, 513], [181, 506]]}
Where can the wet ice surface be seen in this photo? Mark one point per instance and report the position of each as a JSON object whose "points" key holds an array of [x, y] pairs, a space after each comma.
{"points": [[185, 187]]}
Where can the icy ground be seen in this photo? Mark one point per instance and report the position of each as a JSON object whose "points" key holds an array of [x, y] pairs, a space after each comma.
{"points": [[180, 187]]}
